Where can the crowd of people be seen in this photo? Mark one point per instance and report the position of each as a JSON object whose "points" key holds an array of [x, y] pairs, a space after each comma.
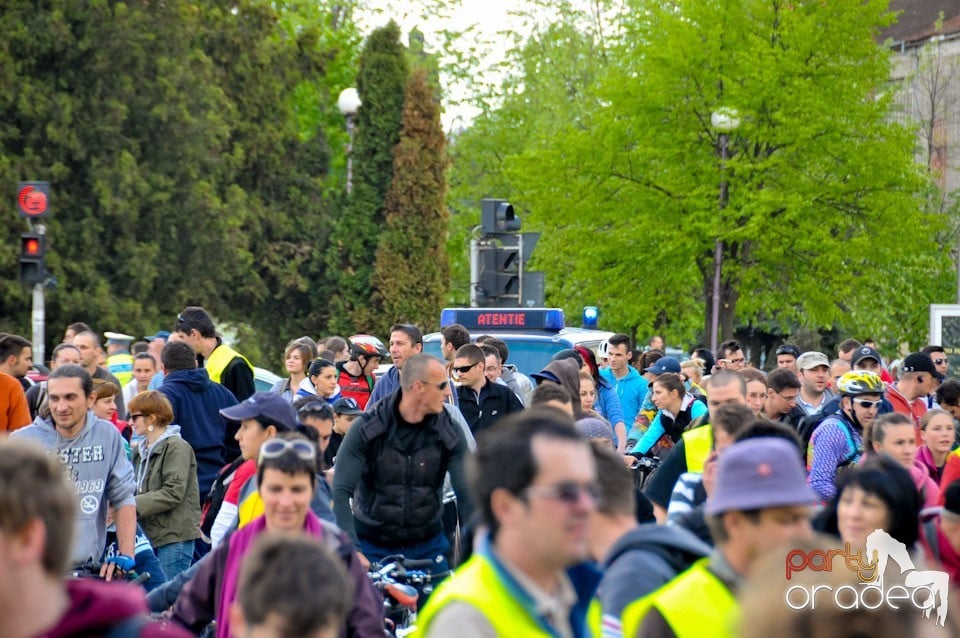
{"points": [[260, 513]]}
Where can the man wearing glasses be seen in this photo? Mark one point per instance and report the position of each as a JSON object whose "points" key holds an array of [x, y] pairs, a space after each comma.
{"points": [[392, 464], [482, 402], [783, 390], [940, 361], [536, 488], [730, 356]]}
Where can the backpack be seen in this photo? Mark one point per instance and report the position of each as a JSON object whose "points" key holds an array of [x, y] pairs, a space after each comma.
{"points": [[811, 422], [809, 425], [214, 500]]}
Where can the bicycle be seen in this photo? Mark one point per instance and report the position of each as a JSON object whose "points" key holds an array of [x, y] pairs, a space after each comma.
{"points": [[401, 581], [643, 468], [91, 569]]}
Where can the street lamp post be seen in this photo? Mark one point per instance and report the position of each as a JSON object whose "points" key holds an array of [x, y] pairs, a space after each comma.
{"points": [[725, 120], [349, 103]]}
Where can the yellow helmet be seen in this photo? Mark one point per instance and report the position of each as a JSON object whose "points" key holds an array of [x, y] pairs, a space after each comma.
{"points": [[857, 382]]}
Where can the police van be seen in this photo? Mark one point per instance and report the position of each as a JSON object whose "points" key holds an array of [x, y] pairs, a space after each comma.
{"points": [[533, 335]]}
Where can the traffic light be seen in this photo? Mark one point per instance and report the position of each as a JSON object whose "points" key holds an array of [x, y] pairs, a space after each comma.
{"points": [[33, 250], [497, 217], [499, 274]]}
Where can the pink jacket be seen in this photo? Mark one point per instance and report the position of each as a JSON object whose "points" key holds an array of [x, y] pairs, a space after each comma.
{"points": [[927, 487]]}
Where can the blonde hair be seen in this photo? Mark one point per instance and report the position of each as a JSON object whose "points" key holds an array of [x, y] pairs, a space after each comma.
{"points": [[693, 369]]}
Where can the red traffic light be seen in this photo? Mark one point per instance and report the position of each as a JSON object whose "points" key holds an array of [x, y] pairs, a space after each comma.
{"points": [[33, 199], [32, 247]]}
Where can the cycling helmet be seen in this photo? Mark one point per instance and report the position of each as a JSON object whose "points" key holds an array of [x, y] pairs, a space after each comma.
{"points": [[368, 346], [603, 350], [859, 382]]}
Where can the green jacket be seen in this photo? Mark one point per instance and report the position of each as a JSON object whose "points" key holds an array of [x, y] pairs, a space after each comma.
{"points": [[168, 498]]}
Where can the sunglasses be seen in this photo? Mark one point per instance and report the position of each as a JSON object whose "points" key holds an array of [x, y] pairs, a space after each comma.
{"points": [[136, 415], [274, 448], [866, 403], [939, 362], [566, 491], [320, 409], [463, 369], [439, 386]]}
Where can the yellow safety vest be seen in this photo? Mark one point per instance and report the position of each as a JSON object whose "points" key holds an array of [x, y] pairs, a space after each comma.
{"points": [[697, 444], [691, 602], [219, 359], [476, 582], [120, 365]]}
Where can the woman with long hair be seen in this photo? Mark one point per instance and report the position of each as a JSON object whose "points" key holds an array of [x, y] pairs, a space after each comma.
{"points": [[939, 435], [894, 434], [321, 381], [606, 402], [676, 408], [296, 357]]}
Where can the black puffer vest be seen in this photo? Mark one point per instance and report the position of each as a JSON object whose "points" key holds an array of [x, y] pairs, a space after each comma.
{"points": [[399, 500]]}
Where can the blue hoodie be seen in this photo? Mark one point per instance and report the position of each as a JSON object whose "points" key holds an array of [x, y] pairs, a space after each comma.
{"points": [[197, 402], [101, 474], [631, 390]]}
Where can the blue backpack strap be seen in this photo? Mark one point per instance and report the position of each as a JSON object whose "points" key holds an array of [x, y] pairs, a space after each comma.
{"points": [[851, 442]]}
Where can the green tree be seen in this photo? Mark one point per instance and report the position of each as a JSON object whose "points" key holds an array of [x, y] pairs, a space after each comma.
{"points": [[381, 82], [179, 167], [824, 192], [412, 267]]}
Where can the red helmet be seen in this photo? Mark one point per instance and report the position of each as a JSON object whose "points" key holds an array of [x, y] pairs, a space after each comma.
{"points": [[368, 346]]}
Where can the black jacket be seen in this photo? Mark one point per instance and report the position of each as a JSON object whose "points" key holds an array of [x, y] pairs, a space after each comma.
{"points": [[394, 473], [497, 401]]}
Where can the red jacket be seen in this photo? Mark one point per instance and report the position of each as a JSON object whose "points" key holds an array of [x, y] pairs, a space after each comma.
{"points": [[97, 608]]}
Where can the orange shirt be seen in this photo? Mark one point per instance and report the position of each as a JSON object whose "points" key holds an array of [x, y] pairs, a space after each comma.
{"points": [[14, 413]]}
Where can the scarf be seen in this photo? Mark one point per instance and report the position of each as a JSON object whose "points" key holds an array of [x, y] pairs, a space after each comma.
{"points": [[240, 543]]}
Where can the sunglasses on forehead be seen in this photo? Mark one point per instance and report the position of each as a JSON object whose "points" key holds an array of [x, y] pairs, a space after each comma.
{"points": [[273, 448], [320, 409]]}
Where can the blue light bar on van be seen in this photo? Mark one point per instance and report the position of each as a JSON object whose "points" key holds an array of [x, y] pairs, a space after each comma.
{"points": [[503, 319]]}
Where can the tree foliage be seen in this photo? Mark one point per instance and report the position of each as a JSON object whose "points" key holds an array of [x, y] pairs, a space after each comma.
{"points": [[381, 82], [178, 164], [412, 271], [824, 192]]}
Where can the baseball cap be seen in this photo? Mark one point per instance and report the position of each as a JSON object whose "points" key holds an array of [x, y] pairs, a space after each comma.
{"points": [[545, 375], [759, 474], [268, 406], [118, 337], [811, 360], [161, 334], [346, 405], [919, 362], [664, 364], [790, 349], [866, 352]]}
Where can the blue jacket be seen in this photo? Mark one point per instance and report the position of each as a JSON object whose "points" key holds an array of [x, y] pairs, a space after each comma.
{"points": [[197, 402], [631, 390], [385, 386], [608, 403]]}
